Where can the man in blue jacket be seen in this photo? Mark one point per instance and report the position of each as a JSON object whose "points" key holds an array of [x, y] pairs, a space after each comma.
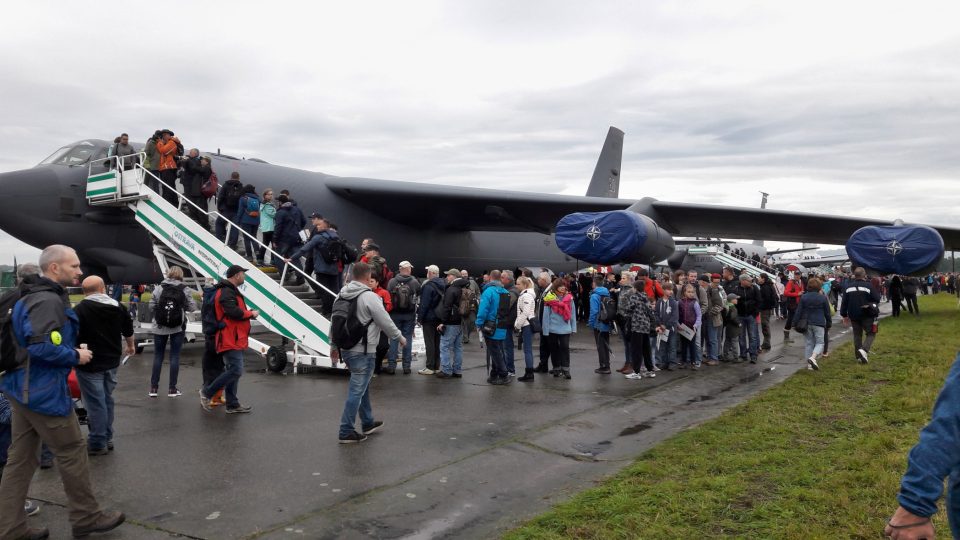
{"points": [[288, 223], [935, 457], [326, 271], [494, 301], [860, 298], [46, 326], [601, 329]]}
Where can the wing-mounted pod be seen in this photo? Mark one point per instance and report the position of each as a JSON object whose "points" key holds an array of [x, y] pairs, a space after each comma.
{"points": [[896, 249], [613, 237]]}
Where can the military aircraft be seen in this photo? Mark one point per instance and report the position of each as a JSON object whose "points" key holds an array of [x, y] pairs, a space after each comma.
{"points": [[462, 227]]}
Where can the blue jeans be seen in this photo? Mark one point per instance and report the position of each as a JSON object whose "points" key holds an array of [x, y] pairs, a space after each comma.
{"points": [[813, 340], [451, 349], [667, 351], [405, 322], [713, 349], [498, 362], [749, 325], [358, 394], [159, 347], [229, 379], [97, 391], [526, 334], [508, 349]]}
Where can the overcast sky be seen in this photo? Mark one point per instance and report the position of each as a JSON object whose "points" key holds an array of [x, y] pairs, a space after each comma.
{"points": [[832, 107]]}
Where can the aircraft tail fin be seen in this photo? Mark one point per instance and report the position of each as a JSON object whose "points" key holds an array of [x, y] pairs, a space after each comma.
{"points": [[606, 175]]}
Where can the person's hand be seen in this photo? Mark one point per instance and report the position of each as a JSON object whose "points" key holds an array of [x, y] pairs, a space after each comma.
{"points": [[254, 313], [286, 260], [403, 342], [846, 321], [130, 350], [85, 355], [904, 525], [440, 328], [335, 355]]}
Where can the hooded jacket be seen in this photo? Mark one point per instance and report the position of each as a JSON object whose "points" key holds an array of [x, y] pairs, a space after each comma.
{"points": [[102, 323], [167, 151], [594, 320], [231, 310], [46, 325], [243, 216], [489, 305], [431, 294], [189, 305], [152, 160], [451, 302], [289, 223], [369, 310], [717, 302]]}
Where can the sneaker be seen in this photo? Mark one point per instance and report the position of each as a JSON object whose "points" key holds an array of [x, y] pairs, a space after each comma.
{"points": [[813, 362], [31, 508], [633, 376], [152, 392], [174, 392], [426, 371], [863, 356], [682, 366], [352, 438], [389, 371], [712, 363], [650, 375], [457, 375], [205, 401], [602, 371], [108, 521], [657, 368], [696, 366], [443, 375], [406, 371], [98, 451], [239, 409], [377, 424]]}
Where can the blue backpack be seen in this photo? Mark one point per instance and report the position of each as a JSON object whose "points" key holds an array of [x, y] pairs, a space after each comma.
{"points": [[253, 207], [208, 312]]}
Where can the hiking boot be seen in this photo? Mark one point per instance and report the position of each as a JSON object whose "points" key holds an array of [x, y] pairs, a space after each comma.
{"points": [[107, 521], [389, 371], [41, 533], [406, 371], [527, 375], [566, 375], [352, 438], [377, 424], [205, 401], [602, 371], [753, 359], [98, 451], [152, 392], [239, 409]]}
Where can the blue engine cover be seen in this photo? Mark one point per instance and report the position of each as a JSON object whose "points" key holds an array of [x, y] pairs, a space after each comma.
{"points": [[903, 249], [604, 237]]}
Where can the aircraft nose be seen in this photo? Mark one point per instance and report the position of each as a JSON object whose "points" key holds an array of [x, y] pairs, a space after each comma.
{"points": [[33, 195]]}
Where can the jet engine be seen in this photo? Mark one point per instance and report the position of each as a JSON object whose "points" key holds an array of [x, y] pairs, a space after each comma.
{"points": [[613, 237], [896, 249]]}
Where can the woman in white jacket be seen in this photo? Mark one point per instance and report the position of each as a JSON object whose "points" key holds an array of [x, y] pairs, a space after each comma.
{"points": [[526, 310]]}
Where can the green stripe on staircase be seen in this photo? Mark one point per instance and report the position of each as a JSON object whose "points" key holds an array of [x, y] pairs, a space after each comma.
{"points": [[103, 176], [104, 191]]}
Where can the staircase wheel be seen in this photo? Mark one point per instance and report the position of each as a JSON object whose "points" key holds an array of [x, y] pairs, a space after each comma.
{"points": [[276, 359]]}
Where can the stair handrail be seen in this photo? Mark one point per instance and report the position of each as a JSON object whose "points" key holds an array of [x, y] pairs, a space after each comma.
{"points": [[117, 165], [183, 198], [759, 265]]}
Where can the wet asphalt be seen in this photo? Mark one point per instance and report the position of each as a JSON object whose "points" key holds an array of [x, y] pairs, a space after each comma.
{"points": [[456, 458]]}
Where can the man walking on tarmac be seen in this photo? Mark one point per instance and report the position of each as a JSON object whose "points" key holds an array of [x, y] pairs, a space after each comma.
{"points": [[46, 326]]}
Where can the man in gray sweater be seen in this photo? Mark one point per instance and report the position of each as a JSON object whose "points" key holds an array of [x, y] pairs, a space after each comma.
{"points": [[360, 358]]}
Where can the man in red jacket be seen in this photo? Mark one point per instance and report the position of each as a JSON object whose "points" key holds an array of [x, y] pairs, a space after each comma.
{"points": [[231, 339], [793, 291]]}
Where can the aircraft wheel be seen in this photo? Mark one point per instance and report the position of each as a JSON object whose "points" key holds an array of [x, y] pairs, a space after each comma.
{"points": [[276, 359]]}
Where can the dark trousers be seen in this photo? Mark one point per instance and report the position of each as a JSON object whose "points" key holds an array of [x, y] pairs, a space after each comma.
{"points": [[560, 351], [544, 351], [249, 247], [912, 303], [640, 351], [508, 352], [169, 194], [431, 338], [212, 362], [330, 281], [897, 304], [383, 346], [791, 312], [267, 238], [863, 335], [229, 379], [603, 347], [195, 213], [495, 352], [159, 347]]}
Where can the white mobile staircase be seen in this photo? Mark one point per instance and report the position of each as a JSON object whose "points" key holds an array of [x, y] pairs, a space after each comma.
{"points": [[734, 261], [291, 312]]}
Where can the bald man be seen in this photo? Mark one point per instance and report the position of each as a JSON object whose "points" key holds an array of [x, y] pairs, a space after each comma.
{"points": [[102, 323], [42, 408]]}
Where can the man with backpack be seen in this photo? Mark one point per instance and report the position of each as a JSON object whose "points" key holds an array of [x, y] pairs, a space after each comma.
{"points": [[356, 322], [859, 309], [506, 279], [404, 291], [371, 256], [453, 310], [45, 328], [231, 310], [287, 225], [169, 304], [212, 361], [228, 201], [325, 248], [431, 294], [603, 310], [467, 326], [491, 317], [102, 323]]}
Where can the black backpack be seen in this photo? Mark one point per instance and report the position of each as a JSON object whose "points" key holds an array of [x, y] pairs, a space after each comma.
{"points": [[208, 312], [503, 310], [348, 253], [345, 327], [332, 251], [608, 309], [12, 355], [170, 305], [232, 193], [402, 297]]}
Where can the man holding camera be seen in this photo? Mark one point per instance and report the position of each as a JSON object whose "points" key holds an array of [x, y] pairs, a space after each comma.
{"points": [[169, 149]]}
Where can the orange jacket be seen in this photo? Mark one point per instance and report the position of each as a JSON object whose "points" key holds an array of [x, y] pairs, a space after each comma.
{"points": [[167, 151]]}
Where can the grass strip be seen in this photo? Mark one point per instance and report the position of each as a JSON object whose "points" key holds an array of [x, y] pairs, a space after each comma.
{"points": [[819, 456]]}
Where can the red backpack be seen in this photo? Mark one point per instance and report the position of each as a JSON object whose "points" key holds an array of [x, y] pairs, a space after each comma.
{"points": [[210, 187]]}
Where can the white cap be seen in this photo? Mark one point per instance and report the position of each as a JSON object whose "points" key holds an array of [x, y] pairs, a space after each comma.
{"points": [[433, 268], [406, 264]]}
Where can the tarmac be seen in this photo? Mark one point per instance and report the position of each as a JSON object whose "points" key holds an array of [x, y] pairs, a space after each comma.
{"points": [[456, 458]]}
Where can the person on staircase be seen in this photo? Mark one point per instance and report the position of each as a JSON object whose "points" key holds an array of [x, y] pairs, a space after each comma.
{"points": [[170, 324], [286, 233], [228, 200], [248, 218], [326, 270], [268, 214], [168, 148], [192, 180]]}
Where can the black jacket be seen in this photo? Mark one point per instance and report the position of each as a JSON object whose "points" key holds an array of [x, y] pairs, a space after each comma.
{"points": [[451, 302], [749, 303], [190, 178], [856, 295], [768, 296], [288, 223], [228, 210], [101, 326]]}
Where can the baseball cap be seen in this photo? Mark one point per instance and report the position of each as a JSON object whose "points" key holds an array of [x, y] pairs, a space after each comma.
{"points": [[716, 276], [316, 215], [234, 270], [433, 268], [371, 247], [406, 264], [705, 278], [453, 272]]}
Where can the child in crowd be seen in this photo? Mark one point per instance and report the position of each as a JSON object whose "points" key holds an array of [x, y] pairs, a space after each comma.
{"points": [[689, 315], [731, 330], [668, 315]]}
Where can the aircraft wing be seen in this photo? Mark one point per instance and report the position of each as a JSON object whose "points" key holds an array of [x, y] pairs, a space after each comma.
{"points": [[431, 206], [683, 219]]}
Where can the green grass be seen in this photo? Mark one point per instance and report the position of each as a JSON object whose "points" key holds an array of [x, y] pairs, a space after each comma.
{"points": [[819, 456]]}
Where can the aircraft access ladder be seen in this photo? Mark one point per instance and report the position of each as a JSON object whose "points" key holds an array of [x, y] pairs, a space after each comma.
{"points": [[752, 267], [291, 312]]}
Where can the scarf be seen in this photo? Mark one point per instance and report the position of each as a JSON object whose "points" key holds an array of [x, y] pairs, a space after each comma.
{"points": [[561, 307]]}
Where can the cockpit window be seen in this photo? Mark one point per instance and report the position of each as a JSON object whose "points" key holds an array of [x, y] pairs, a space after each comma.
{"points": [[75, 154]]}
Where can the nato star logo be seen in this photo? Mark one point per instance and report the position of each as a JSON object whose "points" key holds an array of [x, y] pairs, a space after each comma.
{"points": [[894, 248], [593, 233]]}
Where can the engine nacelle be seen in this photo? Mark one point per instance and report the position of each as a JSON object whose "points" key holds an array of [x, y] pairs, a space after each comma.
{"points": [[896, 249], [613, 237]]}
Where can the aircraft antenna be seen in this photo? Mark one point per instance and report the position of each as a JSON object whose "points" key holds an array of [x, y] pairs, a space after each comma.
{"points": [[763, 201]]}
